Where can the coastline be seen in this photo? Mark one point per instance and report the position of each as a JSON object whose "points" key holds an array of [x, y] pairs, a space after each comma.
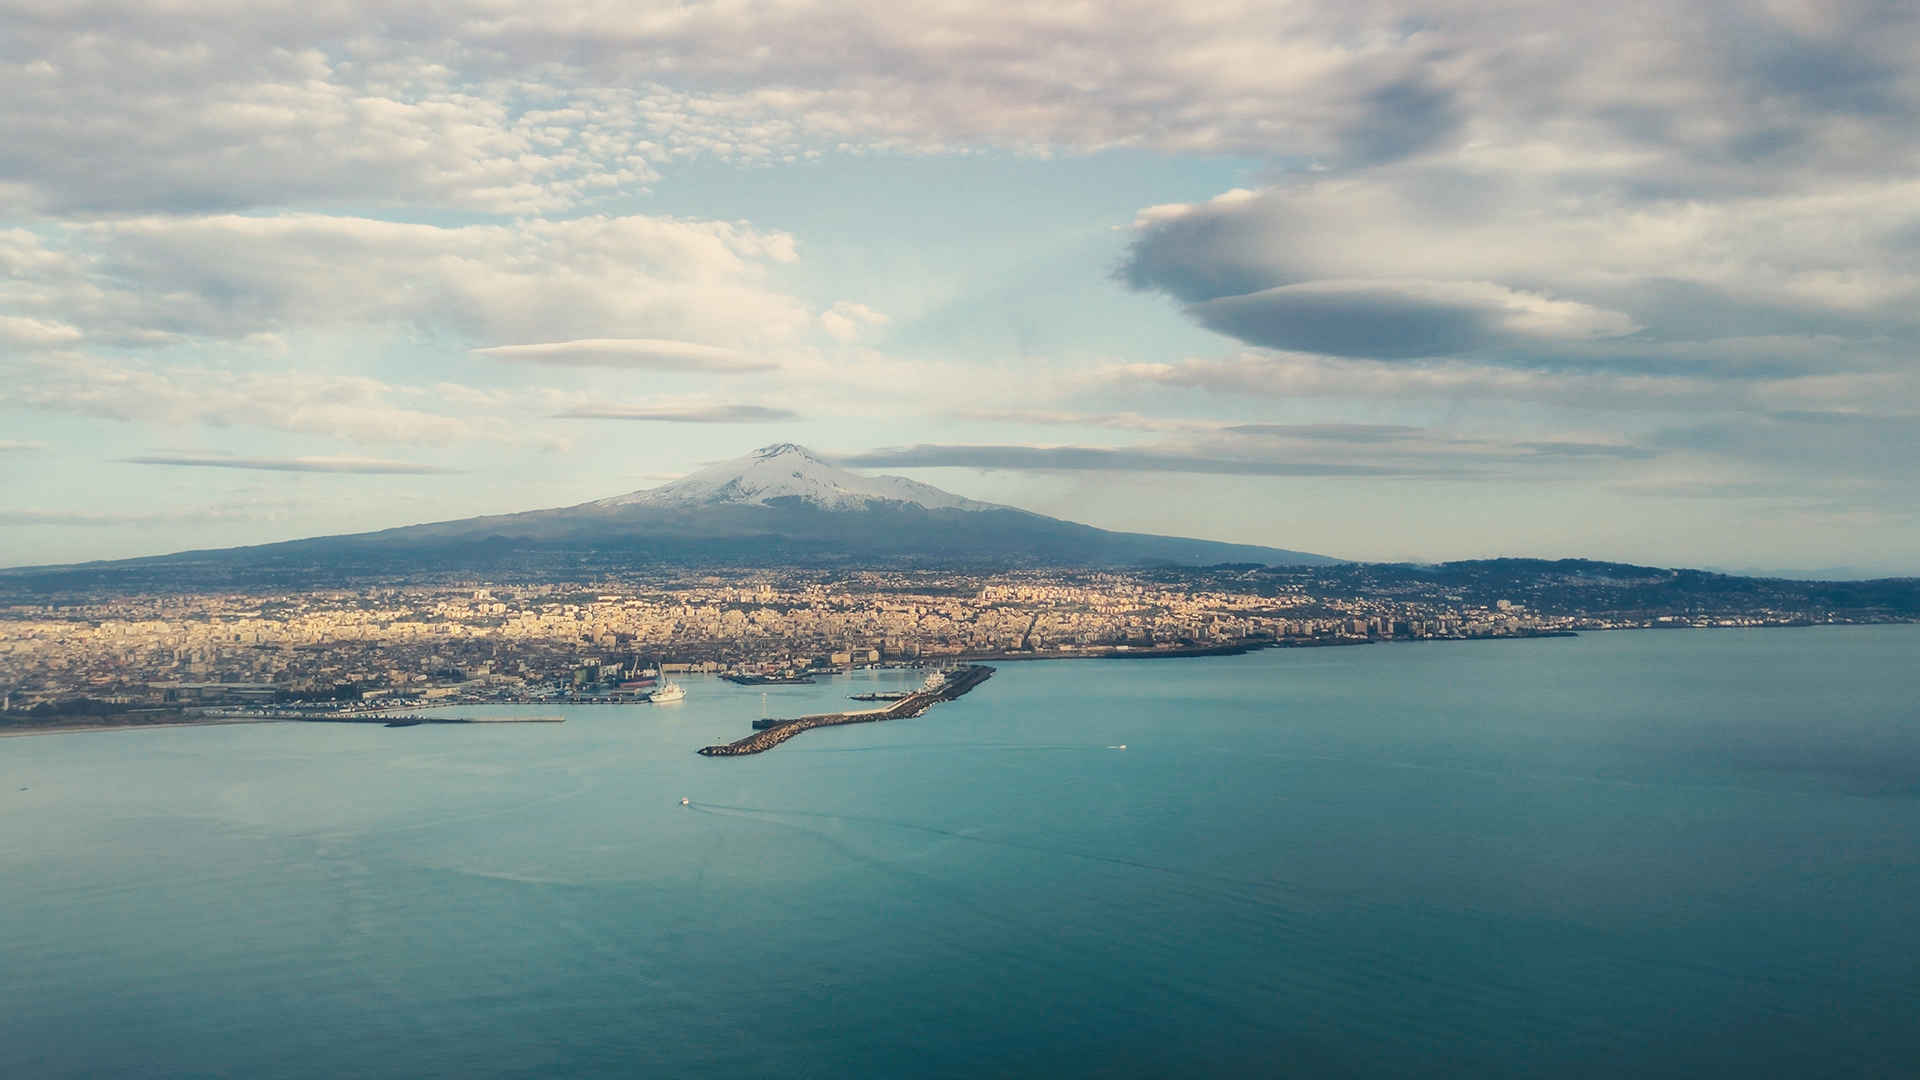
{"points": [[198, 721], [400, 719], [1236, 649]]}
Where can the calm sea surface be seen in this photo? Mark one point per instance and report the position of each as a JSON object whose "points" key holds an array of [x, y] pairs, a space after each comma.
{"points": [[1684, 853]]}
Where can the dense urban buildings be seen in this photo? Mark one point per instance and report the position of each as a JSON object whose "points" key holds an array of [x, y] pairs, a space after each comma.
{"points": [[157, 657]]}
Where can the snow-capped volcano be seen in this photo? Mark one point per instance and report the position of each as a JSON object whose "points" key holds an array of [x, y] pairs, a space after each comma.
{"points": [[787, 471], [778, 506]]}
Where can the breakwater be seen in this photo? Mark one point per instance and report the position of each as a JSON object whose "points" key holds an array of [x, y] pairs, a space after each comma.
{"points": [[772, 733]]}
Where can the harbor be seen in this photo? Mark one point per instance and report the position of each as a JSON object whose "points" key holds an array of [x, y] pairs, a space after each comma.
{"points": [[771, 733]]}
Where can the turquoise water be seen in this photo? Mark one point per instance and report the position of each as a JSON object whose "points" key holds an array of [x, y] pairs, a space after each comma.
{"points": [[1657, 853]]}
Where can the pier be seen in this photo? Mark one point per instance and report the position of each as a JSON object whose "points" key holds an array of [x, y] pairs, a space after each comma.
{"points": [[771, 733]]}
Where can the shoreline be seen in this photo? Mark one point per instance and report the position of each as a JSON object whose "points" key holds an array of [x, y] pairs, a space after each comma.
{"points": [[399, 719], [20, 731]]}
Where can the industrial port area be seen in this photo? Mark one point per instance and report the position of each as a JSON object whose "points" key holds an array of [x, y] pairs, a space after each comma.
{"points": [[151, 658]]}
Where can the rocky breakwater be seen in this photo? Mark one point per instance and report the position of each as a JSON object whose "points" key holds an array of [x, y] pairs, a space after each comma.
{"points": [[775, 732]]}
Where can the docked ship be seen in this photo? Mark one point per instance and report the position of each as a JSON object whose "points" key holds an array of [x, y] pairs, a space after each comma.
{"points": [[669, 691]]}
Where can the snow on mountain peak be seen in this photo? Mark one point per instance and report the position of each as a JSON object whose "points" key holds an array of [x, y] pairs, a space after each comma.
{"points": [[786, 470]]}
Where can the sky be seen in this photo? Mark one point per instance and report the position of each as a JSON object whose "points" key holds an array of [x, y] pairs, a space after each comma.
{"points": [[1381, 280]]}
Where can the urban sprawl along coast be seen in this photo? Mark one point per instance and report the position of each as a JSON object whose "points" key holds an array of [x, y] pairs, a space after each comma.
{"points": [[159, 658]]}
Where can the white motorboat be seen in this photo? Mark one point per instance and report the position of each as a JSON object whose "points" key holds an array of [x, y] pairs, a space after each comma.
{"points": [[668, 692]]}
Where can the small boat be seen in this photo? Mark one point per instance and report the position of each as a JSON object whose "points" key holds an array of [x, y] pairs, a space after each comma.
{"points": [[667, 692], [685, 802]]}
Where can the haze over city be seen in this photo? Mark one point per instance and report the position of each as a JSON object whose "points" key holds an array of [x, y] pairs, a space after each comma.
{"points": [[1383, 281]]}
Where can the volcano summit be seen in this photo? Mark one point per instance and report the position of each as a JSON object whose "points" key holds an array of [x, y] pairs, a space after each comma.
{"points": [[786, 471]]}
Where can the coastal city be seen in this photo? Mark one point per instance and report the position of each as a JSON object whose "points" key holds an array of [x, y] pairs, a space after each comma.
{"points": [[151, 658]]}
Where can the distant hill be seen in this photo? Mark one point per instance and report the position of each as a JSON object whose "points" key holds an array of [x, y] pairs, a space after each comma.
{"points": [[778, 506], [1587, 587]]}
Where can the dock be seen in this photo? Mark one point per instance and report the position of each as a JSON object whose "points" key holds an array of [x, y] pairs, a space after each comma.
{"points": [[771, 733]]}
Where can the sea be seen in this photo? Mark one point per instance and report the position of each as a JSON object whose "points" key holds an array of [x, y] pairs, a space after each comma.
{"points": [[1685, 853]]}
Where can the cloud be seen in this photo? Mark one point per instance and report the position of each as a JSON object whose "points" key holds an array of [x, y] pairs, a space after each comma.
{"points": [[1091, 459], [1513, 181], [86, 518], [1457, 451], [1796, 445], [19, 330], [1296, 376], [511, 107], [252, 508], [156, 280], [519, 108], [1130, 421], [1897, 422], [1398, 319], [1507, 266], [334, 464], [1586, 449], [846, 319], [114, 111], [681, 414], [644, 353], [1125, 421], [344, 406], [1330, 432]]}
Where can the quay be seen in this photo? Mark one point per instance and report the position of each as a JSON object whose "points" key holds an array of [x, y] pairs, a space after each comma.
{"points": [[771, 733]]}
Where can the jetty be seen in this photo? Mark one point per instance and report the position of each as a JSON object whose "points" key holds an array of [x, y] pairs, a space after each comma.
{"points": [[771, 733]]}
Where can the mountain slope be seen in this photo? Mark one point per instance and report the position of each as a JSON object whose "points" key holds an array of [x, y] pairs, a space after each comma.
{"points": [[780, 505]]}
